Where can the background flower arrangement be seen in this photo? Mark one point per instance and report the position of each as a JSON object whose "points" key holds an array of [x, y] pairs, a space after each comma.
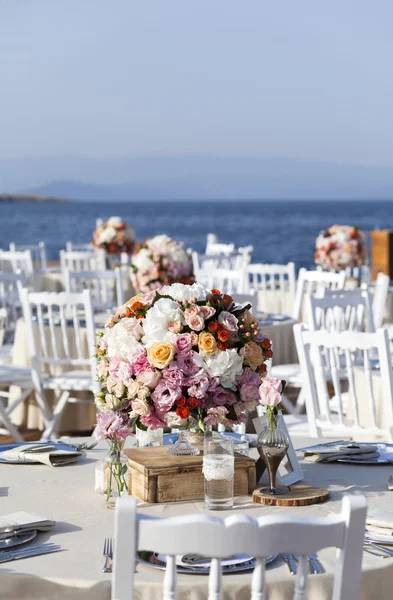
{"points": [[160, 261], [114, 236], [179, 355], [340, 247]]}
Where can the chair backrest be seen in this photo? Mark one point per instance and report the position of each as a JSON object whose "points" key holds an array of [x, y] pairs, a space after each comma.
{"points": [[381, 290], [333, 357], [59, 325], [10, 284], [73, 247], [315, 283], [275, 286], [38, 253], [78, 260], [227, 281], [218, 248], [18, 261], [106, 287], [240, 534], [340, 310], [243, 299], [3, 324]]}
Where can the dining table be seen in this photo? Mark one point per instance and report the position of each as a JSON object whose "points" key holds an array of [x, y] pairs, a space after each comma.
{"points": [[66, 495]]}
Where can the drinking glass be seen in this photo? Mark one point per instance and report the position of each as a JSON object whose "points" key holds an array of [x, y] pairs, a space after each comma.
{"points": [[218, 470]]}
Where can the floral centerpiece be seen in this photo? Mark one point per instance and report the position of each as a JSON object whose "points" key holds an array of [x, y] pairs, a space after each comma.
{"points": [[340, 247], [183, 354], [114, 236], [160, 261]]}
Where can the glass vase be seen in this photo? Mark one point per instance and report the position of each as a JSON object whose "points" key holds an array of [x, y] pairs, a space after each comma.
{"points": [[272, 445], [116, 463], [183, 446]]}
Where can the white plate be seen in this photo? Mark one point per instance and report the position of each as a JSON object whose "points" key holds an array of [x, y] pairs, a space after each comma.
{"points": [[151, 559]]}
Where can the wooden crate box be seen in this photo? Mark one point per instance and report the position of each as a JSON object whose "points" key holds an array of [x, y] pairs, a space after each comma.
{"points": [[155, 476]]}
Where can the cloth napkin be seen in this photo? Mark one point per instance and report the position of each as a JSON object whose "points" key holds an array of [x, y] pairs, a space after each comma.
{"points": [[47, 454], [380, 521], [22, 521], [352, 451]]}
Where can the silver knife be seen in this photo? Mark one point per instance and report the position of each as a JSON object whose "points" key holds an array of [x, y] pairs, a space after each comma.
{"points": [[28, 553]]}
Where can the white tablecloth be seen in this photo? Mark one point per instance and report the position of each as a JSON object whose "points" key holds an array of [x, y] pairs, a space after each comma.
{"points": [[66, 494], [283, 342]]}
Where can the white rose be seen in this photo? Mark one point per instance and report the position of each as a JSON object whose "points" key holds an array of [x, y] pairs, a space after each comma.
{"points": [[142, 260], [173, 420], [226, 365], [158, 242], [143, 393], [107, 235], [114, 222], [120, 343], [184, 293], [177, 255], [157, 319]]}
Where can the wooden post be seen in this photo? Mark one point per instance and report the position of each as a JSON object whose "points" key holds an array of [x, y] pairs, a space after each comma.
{"points": [[382, 253]]}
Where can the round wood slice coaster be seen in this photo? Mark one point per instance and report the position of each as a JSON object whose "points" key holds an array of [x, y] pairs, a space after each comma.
{"points": [[298, 495]]}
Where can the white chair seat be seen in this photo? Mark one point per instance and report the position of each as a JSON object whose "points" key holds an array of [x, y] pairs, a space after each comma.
{"points": [[13, 375], [73, 380], [291, 373]]}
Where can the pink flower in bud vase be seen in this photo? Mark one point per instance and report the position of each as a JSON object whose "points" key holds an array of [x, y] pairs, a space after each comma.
{"points": [[270, 391], [112, 426]]}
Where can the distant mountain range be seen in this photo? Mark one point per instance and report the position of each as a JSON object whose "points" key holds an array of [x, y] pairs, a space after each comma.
{"points": [[193, 177]]}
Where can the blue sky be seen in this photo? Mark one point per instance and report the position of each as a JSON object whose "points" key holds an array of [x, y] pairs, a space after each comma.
{"points": [[107, 78]]}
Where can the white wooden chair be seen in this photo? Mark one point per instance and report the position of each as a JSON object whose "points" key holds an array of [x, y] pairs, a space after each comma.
{"points": [[75, 247], [275, 285], [325, 356], [89, 260], [18, 262], [228, 281], [62, 347], [213, 249], [315, 283], [10, 284], [340, 310], [380, 291], [106, 287], [38, 253], [240, 534], [242, 299], [11, 375]]}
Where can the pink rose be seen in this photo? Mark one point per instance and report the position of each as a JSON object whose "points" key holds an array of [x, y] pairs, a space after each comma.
{"points": [[207, 311], [183, 343], [102, 369], [270, 391], [152, 421], [191, 311], [174, 326], [149, 378], [229, 321], [196, 323], [140, 407]]}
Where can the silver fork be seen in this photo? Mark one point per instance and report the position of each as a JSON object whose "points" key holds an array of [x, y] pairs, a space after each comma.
{"points": [[291, 563], [108, 553]]}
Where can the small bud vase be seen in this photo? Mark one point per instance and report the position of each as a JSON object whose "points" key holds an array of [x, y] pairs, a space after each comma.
{"points": [[116, 478], [272, 445]]}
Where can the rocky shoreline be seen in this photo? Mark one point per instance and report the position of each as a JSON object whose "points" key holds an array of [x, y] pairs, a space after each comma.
{"points": [[29, 198]]}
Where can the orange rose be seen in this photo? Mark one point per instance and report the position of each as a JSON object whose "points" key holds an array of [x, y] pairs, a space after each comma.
{"points": [[252, 354], [207, 343], [224, 335]]}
